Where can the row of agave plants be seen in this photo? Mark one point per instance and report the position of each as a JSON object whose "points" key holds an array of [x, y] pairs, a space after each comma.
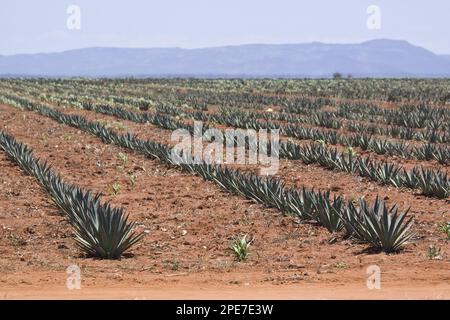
{"points": [[436, 124], [308, 106], [382, 227], [432, 183], [431, 136], [100, 230], [427, 151], [398, 90], [83, 99], [402, 122], [328, 120], [294, 104], [407, 116], [412, 116], [159, 119], [156, 119], [262, 91]]}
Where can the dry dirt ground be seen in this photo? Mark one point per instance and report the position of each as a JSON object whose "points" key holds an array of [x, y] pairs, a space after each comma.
{"points": [[189, 224]]}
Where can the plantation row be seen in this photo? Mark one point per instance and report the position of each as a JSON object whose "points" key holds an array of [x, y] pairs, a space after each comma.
{"points": [[368, 89], [253, 100], [324, 121], [426, 152], [410, 115], [100, 230], [430, 182], [160, 120], [407, 116], [375, 224], [401, 123], [396, 123], [364, 141], [434, 91], [416, 116]]}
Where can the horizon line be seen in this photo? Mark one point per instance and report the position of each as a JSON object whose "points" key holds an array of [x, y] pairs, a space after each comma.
{"points": [[225, 46]]}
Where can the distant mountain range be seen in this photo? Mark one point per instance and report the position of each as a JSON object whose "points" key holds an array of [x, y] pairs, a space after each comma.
{"points": [[375, 58]]}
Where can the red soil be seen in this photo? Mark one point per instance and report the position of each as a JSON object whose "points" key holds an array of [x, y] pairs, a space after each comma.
{"points": [[190, 224]]}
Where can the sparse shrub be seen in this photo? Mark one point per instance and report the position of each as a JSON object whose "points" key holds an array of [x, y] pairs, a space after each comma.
{"points": [[123, 158], [241, 247], [434, 253], [445, 227], [115, 188]]}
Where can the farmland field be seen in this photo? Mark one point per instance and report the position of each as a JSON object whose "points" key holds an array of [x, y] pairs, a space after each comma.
{"points": [[88, 181]]}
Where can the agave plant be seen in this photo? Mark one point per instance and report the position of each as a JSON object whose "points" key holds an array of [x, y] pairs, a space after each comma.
{"points": [[348, 163], [442, 155], [327, 212], [432, 183], [380, 146], [103, 231], [399, 148], [409, 179], [383, 228], [388, 173], [425, 152], [301, 203], [363, 141]]}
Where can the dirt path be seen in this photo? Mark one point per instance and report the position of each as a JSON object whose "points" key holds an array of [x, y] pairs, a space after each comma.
{"points": [[261, 292]]}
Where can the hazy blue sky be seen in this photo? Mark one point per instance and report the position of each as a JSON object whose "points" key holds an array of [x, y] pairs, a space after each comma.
{"points": [[40, 26]]}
